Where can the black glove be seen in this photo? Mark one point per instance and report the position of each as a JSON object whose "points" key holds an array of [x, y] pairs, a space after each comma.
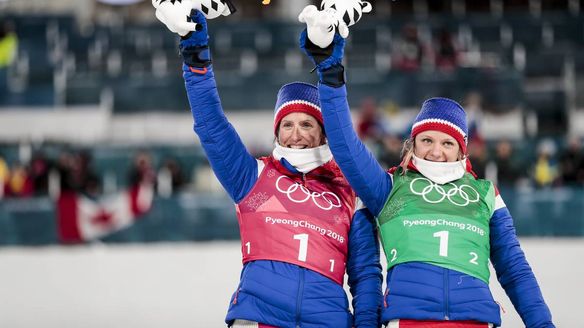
{"points": [[194, 46], [328, 60]]}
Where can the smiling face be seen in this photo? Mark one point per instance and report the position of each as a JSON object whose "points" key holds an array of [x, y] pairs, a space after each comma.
{"points": [[300, 131], [436, 146]]}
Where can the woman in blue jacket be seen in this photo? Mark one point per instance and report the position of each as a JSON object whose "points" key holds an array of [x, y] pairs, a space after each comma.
{"points": [[439, 224], [302, 227]]}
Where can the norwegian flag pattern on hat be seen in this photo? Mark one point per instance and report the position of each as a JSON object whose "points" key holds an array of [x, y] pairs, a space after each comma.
{"points": [[444, 115], [297, 97]]}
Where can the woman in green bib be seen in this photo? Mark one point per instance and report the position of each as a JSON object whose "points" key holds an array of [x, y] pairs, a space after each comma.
{"points": [[440, 225]]}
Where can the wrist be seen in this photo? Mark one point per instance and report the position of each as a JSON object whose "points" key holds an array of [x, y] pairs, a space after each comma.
{"points": [[194, 39], [333, 76], [196, 56]]}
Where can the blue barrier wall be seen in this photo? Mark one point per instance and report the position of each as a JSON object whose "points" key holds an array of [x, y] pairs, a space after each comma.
{"points": [[200, 217], [547, 212]]}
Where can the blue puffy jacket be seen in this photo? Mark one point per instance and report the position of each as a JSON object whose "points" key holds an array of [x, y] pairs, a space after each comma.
{"points": [[420, 290], [277, 293]]}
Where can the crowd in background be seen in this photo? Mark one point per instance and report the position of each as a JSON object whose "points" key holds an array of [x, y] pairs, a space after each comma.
{"points": [[543, 163], [546, 163], [74, 170], [411, 52]]}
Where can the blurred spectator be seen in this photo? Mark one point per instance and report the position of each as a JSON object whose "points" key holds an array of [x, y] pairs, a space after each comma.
{"points": [[65, 164], [371, 126], [8, 44], [478, 157], [39, 172], [446, 52], [373, 130], [545, 169], [571, 164], [410, 51], [473, 104], [170, 177], [4, 176], [86, 179], [20, 183], [142, 169], [507, 169], [77, 174], [391, 153]]}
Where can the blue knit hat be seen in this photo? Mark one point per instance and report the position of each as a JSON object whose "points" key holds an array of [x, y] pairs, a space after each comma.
{"points": [[444, 115], [297, 97]]}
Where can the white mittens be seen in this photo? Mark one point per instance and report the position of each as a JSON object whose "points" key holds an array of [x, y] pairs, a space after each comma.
{"points": [[213, 8], [175, 14], [349, 11], [321, 25]]}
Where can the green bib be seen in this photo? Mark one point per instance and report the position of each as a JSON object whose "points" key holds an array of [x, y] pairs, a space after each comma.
{"points": [[445, 225]]}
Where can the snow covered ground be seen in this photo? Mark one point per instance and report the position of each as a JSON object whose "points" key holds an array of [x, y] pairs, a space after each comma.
{"points": [[189, 285]]}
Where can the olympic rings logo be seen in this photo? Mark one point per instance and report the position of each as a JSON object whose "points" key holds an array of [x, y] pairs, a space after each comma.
{"points": [[465, 193], [298, 193]]}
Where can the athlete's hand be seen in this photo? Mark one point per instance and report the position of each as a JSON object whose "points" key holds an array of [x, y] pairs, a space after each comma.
{"points": [[175, 14], [350, 11], [214, 8], [328, 60], [323, 58], [321, 25], [194, 46]]}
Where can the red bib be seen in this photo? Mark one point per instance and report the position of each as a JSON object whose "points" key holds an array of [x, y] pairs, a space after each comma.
{"points": [[301, 221]]}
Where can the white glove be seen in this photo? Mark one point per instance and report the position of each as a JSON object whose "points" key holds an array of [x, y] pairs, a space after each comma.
{"points": [[175, 14], [320, 25], [350, 11], [206, 7]]}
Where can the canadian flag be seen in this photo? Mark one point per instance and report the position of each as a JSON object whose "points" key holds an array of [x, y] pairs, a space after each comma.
{"points": [[83, 219]]}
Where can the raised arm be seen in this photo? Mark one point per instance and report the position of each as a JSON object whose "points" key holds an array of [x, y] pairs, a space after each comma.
{"points": [[513, 271], [358, 164], [234, 166], [369, 180]]}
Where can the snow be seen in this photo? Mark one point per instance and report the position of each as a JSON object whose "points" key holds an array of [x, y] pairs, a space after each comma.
{"points": [[190, 284]]}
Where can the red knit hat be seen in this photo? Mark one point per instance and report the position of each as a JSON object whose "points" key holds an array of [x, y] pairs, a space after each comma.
{"points": [[297, 97], [444, 115]]}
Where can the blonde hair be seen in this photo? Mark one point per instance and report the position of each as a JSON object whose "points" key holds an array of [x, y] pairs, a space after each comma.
{"points": [[407, 153]]}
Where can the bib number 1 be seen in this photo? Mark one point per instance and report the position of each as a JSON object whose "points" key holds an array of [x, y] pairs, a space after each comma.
{"points": [[443, 235], [443, 251], [303, 249]]}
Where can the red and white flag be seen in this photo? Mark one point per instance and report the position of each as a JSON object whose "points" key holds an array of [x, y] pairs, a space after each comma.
{"points": [[82, 219]]}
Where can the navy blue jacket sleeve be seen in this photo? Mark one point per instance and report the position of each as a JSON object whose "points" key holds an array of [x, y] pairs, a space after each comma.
{"points": [[364, 270], [366, 176], [515, 274], [234, 166]]}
